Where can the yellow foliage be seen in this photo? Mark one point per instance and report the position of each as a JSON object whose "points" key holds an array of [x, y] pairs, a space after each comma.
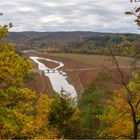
{"points": [[120, 116], [12, 67], [23, 115]]}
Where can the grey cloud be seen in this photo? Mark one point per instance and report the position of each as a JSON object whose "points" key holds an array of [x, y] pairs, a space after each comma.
{"points": [[68, 15]]}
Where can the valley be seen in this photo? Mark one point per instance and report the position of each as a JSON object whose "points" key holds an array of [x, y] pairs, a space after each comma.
{"points": [[80, 69], [69, 69]]}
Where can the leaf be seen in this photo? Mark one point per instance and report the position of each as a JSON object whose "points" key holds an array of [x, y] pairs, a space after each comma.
{"points": [[139, 17], [128, 13], [137, 10], [138, 23]]}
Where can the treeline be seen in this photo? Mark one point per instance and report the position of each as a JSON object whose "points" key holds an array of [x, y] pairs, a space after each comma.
{"points": [[78, 42], [122, 45]]}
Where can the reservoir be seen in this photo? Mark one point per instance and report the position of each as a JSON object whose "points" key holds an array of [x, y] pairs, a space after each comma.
{"points": [[57, 77]]}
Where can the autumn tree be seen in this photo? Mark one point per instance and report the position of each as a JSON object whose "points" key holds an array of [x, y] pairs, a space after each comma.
{"points": [[23, 115], [130, 97], [40, 125], [125, 111], [124, 117], [135, 12], [14, 97]]}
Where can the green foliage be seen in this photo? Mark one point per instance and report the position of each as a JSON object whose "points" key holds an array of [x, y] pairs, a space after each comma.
{"points": [[99, 45], [74, 42], [62, 113], [94, 107]]}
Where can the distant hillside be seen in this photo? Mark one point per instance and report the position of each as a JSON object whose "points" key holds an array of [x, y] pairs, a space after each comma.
{"points": [[75, 42], [45, 39]]}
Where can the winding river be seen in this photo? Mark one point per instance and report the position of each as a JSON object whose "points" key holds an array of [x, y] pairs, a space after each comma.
{"points": [[57, 77]]}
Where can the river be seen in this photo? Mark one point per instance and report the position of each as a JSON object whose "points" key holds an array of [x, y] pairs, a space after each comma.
{"points": [[57, 77]]}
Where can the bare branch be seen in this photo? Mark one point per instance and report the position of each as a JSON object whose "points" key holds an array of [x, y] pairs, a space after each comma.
{"points": [[121, 74]]}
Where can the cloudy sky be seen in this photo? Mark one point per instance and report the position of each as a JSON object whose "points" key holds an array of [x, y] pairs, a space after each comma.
{"points": [[68, 15]]}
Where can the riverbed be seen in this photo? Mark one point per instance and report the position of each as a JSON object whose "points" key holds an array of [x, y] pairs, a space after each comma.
{"points": [[57, 77]]}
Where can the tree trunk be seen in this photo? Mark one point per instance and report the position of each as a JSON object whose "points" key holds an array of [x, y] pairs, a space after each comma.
{"points": [[135, 133], [135, 128]]}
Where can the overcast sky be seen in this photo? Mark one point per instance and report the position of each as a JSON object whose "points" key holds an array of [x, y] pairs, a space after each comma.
{"points": [[68, 15]]}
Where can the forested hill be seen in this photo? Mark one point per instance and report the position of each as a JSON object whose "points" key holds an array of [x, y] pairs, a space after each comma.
{"points": [[77, 42]]}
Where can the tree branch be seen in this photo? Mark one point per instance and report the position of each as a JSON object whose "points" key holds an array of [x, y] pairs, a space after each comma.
{"points": [[137, 104], [138, 122], [121, 74]]}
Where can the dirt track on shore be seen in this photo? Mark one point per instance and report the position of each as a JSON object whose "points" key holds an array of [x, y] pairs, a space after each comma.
{"points": [[80, 73]]}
